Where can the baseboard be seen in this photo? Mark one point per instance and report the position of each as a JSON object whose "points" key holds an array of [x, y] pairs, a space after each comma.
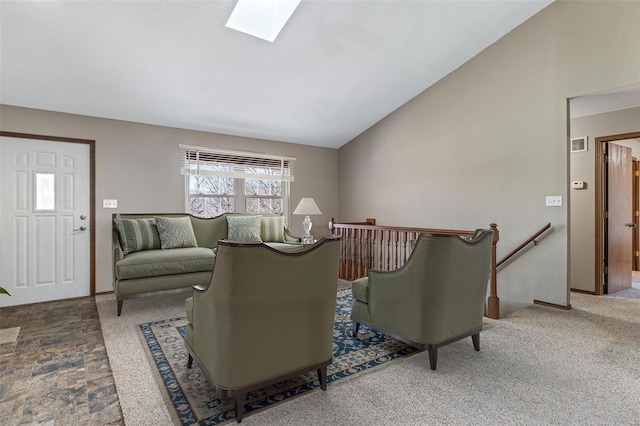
{"points": [[553, 305], [577, 290]]}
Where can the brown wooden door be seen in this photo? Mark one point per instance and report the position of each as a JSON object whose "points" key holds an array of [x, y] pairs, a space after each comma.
{"points": [[619, 223]]}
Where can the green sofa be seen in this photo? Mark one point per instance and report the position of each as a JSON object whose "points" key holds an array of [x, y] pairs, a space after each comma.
{"points": [[265, 317], [141, 265]]}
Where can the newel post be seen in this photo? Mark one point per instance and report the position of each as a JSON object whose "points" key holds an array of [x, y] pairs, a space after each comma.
{"points": [[493, 303]]}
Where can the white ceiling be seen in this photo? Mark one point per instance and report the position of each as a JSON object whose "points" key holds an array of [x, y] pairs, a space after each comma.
{"points": [[336, 69]]}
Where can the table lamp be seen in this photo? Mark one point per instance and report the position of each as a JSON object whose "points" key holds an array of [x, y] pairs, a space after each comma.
{"points": [[307, 206]]}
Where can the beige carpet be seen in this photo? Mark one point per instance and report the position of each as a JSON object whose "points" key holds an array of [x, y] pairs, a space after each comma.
{"points": [[537, 366], [140, 398]]}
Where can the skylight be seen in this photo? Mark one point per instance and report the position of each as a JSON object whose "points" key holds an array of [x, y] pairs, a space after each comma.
{"points": [[261, 18]]}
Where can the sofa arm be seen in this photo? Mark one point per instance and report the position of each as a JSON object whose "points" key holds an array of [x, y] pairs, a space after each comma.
{"points": [[117, 255], [116, 248], [290, 238]]}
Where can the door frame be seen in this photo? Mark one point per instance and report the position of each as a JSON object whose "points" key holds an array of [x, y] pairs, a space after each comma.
{"points": [[600, 241], [636, 211], [92, 184]]}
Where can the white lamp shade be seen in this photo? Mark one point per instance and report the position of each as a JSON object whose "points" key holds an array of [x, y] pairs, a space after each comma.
{"points": [[307, 206]]}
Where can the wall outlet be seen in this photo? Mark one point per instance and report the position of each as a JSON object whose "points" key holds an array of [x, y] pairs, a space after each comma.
{"points": [[110, 204], [554, 201]]}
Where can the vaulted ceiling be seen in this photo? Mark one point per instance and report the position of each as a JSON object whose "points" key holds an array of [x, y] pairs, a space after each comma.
{"points": [[337, 68]]}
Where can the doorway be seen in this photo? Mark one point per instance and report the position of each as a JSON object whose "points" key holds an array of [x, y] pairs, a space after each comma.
{"points": [[616, 214], [46, 218]]}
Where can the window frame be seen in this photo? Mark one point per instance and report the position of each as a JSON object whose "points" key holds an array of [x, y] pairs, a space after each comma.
{"points": [[239, 196]]}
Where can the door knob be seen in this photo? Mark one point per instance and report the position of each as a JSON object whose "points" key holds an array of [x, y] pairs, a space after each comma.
{"points": [[631, 225], [82, 228]]}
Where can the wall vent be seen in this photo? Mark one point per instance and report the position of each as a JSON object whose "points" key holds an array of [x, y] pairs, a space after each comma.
{"points": [[579, 144]]}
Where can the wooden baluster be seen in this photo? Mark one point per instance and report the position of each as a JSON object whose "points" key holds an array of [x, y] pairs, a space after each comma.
{"points": [[493, 303], [367, 252], [359, 253], [374, 249], [352, 254], [355, 254], [388, 255], [380, 249], [345, 245], [396, 236], [404, 246]]}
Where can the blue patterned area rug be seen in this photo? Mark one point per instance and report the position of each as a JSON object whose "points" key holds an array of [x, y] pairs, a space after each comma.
{"points": [[194, 400]]}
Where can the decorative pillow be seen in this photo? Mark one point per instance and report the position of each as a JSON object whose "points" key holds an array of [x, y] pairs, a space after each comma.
{"points": [[137, 235], [272, 230], [176, 232], [244, 228]]}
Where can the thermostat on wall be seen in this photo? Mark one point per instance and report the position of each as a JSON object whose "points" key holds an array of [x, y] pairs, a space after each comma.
{"points": [[578, 184]]}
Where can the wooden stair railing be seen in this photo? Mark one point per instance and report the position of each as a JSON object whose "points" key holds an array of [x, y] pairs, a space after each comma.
{"points": [[366, 246], [531, 239]]}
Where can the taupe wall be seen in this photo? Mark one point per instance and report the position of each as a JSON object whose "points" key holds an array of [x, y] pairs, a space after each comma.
{"points": [[582, 211], [489, 142], [137, 165]]}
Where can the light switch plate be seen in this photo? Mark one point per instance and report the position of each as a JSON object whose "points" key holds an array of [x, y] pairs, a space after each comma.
{"points": [[554, 201], [110, 204]]}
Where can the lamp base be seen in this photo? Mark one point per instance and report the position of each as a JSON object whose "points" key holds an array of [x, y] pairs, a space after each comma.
{"points": [[308, 239]]}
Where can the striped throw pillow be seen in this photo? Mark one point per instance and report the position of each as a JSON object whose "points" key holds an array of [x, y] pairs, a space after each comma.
{"points": [[272, 229], [137, 235]]}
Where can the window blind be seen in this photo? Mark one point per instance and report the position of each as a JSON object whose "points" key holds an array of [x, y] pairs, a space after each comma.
{"points": [[203, 161]]}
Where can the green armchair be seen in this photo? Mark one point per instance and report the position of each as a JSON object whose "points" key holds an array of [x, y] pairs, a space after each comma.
{"points": [[265, 317], [436, 298]]}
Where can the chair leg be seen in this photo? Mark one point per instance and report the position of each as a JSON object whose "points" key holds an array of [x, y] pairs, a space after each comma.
{"points": [[322, 377], [238, 403], [356, 327], [190, 361], [433, 357], [120, 307], [476, 341]]}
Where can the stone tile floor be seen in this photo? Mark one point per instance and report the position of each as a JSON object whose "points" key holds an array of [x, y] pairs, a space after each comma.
{"points": [[57, 371]]}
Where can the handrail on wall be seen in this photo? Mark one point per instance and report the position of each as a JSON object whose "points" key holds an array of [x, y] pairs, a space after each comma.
{"points": [[531, 239]]}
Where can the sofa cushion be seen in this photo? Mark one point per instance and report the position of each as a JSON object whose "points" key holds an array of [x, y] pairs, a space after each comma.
{"points": [[175, 232], [137, 234], [272, 229], [154, 263], [360, 289], [244, 228]]}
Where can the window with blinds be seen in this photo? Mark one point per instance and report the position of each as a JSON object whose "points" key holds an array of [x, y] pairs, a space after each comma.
{"points": [[235, 164], [222, 181]]}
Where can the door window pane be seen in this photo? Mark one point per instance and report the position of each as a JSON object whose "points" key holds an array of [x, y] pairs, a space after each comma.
{"points": [[45, 192]]}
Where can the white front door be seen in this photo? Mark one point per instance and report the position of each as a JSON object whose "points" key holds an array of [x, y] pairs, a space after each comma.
{"points": [[44, 220]]}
